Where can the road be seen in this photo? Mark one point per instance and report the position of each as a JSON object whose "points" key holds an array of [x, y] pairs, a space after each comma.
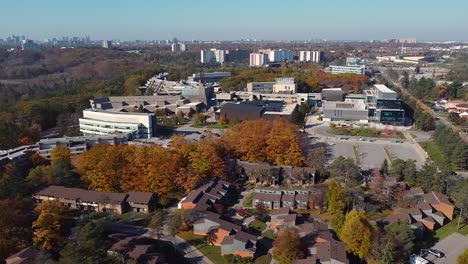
{"points": [[442, 119]]}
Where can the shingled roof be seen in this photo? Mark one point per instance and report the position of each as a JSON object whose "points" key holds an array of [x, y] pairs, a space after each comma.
{"points": [[81, 194]]}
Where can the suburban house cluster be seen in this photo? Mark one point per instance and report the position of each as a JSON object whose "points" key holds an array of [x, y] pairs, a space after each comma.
{"points": [[81, 199], [431, 211], [231, 237]]}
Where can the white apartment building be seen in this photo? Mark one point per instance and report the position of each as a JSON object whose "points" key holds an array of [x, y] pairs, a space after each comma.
{"points": [[213, 56], [258, 59], [100, 122], [280, 55], [177, 47], [311, 56]]}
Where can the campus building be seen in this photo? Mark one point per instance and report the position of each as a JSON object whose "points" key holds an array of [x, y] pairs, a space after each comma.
{"points": [[76, 145], [101, 122], [379, 104], [358, 69]]}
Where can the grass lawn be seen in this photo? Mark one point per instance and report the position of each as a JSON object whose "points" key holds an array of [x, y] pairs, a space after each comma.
{"points": [[434, 152], [198, 241], [198, 126], [258, 225], [218, 126], [449, 228], [265, 259], [248, 201], [269, 234]]}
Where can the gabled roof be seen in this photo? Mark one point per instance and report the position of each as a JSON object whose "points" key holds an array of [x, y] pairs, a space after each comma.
{"points": [[281, 211], [436, 198], [140, 197], [267, 197], [83, 195]]}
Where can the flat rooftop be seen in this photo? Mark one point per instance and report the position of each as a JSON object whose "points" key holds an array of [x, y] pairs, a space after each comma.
{"points": [[383, 88]]}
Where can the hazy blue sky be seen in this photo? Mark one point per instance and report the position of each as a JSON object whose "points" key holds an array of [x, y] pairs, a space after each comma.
{"points": [[235, 19]]}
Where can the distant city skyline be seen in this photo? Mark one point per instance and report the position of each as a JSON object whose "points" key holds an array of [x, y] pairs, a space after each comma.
{"points": [[234, 20]]}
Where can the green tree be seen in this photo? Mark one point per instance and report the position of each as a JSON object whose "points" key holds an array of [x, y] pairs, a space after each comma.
{"points": [[404, 239], [384, 167], [89, 247], [357, 233], [157, 222], [335, 198], [405, 80], [388, 254]]}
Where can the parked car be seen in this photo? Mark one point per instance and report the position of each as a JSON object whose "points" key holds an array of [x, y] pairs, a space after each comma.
{"points": [[436, 252]]}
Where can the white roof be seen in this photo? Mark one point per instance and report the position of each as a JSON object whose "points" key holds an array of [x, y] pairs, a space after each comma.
{"points": [[383, 88]]}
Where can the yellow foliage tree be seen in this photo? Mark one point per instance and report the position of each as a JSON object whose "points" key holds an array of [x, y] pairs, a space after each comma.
{"points": [[48, 226], [357, 233], [287, 246], [60, 154]]}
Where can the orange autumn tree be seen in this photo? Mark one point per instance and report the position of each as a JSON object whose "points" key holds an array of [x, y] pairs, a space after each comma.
{"points": [[283, 144], [248, 140], [276, 142]]}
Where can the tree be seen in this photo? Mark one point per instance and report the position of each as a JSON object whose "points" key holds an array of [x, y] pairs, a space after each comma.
{"points": [[388, 254], [403, 237], [223, 121], [424, 121], [405, 80], [345, 170], [283, 144], [60, 154], [287, 247], [261, 211], [88, 247], [157, 222], [49, 226], [461, 200], [175, 223], [335, 198], [15, 227], [357, 233], [11, 182], [384, 167], [211, 237], [463, 258], [200, 119]]}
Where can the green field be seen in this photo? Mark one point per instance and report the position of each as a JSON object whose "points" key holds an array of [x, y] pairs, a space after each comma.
{"points": [[198, 241], [257, 225], [449, 228], [434, 152]]}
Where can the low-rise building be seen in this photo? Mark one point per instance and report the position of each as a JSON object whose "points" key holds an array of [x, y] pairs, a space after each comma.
{"points": [[278, 198], [285, 85], [335, 69], [345, 111], [240, 244], [76, 145], [89, 200]]}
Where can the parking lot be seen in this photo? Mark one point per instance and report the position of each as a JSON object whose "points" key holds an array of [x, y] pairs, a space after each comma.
{"points": [[452, 246], [372, 154]]}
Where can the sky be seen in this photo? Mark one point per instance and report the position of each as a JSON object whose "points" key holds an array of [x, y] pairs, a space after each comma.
{"points": [[236, 19]]}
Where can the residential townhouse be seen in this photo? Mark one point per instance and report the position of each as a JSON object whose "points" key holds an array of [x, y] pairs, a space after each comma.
{"points": [[211, 222], [432, 211], [208, 194], [89, 200], [277, 198]]}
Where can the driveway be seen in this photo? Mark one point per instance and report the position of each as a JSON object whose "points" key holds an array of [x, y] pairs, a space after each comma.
{"points": [[452, 246]]}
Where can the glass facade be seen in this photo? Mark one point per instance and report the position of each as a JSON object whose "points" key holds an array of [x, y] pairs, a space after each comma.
{"points": [[391, 116]]}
